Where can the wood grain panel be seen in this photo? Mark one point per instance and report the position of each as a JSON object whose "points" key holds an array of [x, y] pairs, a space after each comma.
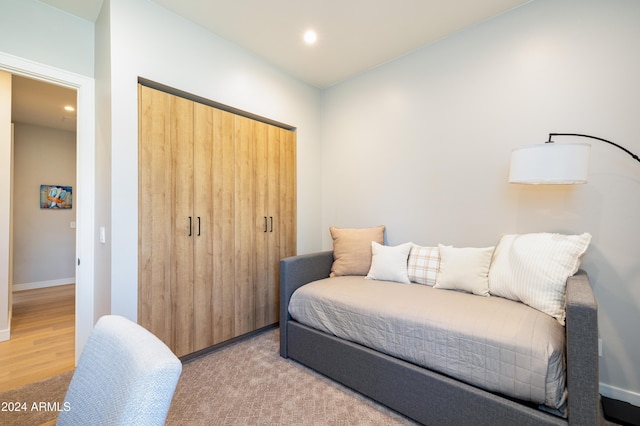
{"points": [[214, 242], [288, 194], [267, 284], [245, 229], [184, 223], [154, 230], [287, 198], [165, 272]]}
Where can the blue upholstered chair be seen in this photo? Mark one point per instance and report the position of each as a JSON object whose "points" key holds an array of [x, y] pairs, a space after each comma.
{"points": [[125, 376]]}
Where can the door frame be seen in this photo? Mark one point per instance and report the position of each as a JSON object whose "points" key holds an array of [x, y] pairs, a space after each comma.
{"points": [[85, 182]]}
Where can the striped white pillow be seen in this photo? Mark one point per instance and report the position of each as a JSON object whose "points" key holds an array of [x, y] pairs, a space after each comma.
{"points": [[533, 269], [423, 264]]}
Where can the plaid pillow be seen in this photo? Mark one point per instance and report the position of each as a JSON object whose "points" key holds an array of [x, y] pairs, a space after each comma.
{"points": [[423, 264]]}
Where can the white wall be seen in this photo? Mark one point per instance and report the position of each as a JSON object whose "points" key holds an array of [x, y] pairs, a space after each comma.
{"points": [[41, 33], [104, 164], [149, 41], [44, 244], [422, 146], [6, 150]]}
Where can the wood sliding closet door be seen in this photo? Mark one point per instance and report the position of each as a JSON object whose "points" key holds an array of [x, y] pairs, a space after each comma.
{"points": [[265, 219], [248, 134], [165, 297], [217, 198], [267, 207], [214, 207], [275, 157], [286, 221]]}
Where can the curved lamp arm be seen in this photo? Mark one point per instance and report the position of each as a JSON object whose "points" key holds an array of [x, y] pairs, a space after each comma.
{"points": [[634, 156], [555, 163]]}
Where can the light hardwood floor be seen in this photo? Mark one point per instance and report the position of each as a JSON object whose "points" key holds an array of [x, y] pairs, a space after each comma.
{"points": [[42, 340]]}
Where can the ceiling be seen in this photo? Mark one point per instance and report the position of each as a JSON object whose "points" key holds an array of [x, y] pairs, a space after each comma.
{"points": [[39, 103], [353, 35]]}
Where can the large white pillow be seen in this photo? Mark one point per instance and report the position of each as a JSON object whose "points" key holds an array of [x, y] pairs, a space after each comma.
{"points": [[533, 269], [465, 269], [389, 263], [423, 264]]}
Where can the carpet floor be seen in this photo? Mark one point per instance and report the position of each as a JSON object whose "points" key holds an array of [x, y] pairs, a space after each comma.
{"points": [[245, 383]]}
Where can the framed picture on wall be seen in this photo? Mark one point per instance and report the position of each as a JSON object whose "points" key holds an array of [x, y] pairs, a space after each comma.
{"points": [[56, 197]]}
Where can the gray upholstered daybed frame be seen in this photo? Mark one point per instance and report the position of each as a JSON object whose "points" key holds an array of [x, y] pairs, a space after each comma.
{"points": [[429, 397]]}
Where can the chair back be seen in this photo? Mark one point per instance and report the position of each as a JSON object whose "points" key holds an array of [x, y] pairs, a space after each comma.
{"points": [[125, 376]]}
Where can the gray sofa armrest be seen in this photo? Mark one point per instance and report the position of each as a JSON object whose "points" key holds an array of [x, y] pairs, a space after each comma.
{"points": [[297, 271], [582, 351]]}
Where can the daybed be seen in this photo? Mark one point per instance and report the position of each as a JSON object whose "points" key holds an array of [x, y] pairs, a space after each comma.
{"points": [[430, 397]]}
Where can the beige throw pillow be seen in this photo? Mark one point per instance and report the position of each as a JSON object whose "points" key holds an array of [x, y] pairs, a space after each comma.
{"points": [[352, 249], [465, 269]]}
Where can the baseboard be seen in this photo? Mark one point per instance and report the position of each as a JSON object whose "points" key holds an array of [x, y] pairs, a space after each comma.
{"points": [[43, 284], [206, 351], [613, 392], [5, 334]]}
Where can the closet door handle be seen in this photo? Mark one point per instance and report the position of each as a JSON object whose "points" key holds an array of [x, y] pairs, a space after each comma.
{"points": [[190, 226], [198, 226], [271, 217], [265, 223]]}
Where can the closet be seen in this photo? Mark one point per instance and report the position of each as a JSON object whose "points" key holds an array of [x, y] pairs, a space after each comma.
{"points": [[217, 209]]}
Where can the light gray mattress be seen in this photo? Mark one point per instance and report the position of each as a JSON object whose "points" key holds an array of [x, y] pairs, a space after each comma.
{"points": [[490, 342]]}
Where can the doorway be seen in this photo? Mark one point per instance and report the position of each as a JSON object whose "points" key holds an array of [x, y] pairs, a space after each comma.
{"points": [[43, 247], [84, 199], [44, 181]]}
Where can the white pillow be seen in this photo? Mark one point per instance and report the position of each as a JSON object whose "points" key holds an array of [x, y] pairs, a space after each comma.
{"points": [[423, 264], [389, 263], [533, 269], [465, 269]]}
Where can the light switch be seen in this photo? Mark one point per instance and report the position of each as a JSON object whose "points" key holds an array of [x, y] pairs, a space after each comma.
{"points": [[103, 235], [72, 225]]}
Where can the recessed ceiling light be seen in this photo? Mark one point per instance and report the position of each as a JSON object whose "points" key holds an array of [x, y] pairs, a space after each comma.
{"points": [[310, 37], [69, 108]]}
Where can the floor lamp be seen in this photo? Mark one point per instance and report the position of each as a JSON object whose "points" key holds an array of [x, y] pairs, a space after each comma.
{"points": [[555, 163], [564, 163]]}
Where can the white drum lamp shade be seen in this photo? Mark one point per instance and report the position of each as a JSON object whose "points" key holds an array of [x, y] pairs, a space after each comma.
{"points": [[550, 163]]}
